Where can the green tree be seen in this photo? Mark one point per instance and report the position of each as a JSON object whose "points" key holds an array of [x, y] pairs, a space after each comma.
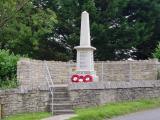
{"points": [[49, 29], [120, 29], [148, 13], [27, 33], [9, 9]]}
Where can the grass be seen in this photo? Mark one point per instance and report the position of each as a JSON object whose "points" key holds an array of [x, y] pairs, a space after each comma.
{"points": [[8, 84], [28, 116], [115, 109]]}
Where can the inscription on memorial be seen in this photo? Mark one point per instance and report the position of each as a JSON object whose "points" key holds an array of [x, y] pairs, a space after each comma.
{"points": [[84, 60]]}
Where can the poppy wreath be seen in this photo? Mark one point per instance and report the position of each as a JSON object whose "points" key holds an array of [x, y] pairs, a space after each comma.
{"points": [[75, 78], [88, 78], [81, 78]]}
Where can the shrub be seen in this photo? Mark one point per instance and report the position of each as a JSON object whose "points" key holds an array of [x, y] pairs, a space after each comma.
{"points": [[156, 53], [8, 68]]}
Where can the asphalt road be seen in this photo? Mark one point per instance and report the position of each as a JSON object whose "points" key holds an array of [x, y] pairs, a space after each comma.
{"points": [[144, 115]]}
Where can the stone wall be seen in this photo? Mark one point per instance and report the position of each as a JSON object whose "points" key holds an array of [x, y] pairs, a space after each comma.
{"points": [[32, 73], [93, 94], [16, 101], [127, 70], [121, 81], [82, 95]]}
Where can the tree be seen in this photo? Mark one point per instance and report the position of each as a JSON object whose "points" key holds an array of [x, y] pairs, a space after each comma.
{"points": [[49, 29], [9, 9], [120, 29], [27, 32], [149, 14]]}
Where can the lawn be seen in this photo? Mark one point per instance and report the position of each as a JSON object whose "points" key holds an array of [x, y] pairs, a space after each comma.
{"points": [[29, 116], [115, 109]]}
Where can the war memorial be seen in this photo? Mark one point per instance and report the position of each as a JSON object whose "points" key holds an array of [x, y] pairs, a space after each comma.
{"points": [[59, 87]]}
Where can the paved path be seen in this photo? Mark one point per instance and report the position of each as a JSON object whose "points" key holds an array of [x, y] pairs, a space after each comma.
{"points": [[60, 117], [144, 115]]}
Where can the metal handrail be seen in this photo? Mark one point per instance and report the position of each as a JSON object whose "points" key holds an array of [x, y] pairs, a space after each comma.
{"points": [[49, 82]]}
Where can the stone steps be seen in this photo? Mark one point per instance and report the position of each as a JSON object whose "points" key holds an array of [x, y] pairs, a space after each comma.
{"points": [[61, 101], [56, 100], [60, 89], [59, 95], [59, 112], [62, 106]]}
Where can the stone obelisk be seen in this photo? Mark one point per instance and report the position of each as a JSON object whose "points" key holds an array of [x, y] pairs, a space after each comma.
{"points": [[85, 61]]}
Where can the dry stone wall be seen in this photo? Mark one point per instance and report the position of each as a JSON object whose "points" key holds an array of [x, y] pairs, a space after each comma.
{"points": [[118, 81], [93, 94], [16, 101], [32, 73], [127, 70], [82, 95]]}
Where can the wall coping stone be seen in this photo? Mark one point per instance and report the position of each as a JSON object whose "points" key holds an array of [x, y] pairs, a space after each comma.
{"points": [[115, 84], [22, 90], [107, 62]]}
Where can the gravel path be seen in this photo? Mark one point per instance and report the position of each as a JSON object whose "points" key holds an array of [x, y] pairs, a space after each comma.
{"points": [[144, 115], [60, 117]]}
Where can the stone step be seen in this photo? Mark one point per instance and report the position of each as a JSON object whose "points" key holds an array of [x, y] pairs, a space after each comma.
{"points": [[59, 112], [58, 106], [60, 89], [58, 101], [60, 92], [60, 95], [61, 99]]}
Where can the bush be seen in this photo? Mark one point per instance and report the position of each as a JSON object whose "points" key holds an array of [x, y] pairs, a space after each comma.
{"points": [[156, 54], [8, 69]]}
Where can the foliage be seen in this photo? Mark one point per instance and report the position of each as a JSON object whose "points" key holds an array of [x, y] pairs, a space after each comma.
{"points": [[9, 9], [119, 28], [29, 116], [115, 109], [26, 33], [49, 29], [8, 68], [156, 53]]}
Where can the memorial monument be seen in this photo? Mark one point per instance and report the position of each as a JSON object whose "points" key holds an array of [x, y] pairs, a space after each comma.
{"points": [[85, 61]]}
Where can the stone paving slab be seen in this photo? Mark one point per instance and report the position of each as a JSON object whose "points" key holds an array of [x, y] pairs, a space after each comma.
{"points": [[61, 117]]}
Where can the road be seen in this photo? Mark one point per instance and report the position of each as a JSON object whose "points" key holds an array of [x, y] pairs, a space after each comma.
{"points": [[144, 115]]}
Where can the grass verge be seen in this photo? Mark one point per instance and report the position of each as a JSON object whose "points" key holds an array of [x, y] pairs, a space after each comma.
{"points": [[115, 109], [28, 116]]}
